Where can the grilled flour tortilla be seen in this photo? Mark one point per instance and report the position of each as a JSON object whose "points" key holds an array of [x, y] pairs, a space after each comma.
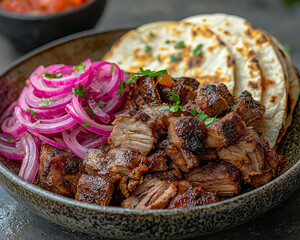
{"points": [[184, 49], [274, 93]]}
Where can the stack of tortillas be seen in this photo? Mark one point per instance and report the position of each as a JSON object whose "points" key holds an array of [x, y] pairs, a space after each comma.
{"points": [[218, 48]]}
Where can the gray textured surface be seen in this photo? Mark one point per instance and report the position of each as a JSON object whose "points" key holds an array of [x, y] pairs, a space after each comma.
{"points": [[282, 222]]}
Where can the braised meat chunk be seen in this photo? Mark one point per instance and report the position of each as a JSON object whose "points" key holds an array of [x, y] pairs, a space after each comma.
{"points": [[227, 131], [151, 194], [157, 161], [184, 87], [221, 178], [94, 189], [193, 197], [213, 100], [136, 130], [247, 155], [250, 110], [59, 170]]}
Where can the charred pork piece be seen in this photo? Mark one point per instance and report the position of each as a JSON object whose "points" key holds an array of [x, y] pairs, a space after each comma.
{"points": [[250, 110], [184, 87], [221, 178], [193, 197], [271, 159], [143, 92], [94, 189], [128, 162], [105, 148], [211, 154], [97, 162], [227, 131], [59, 170], [157, 161], [151, 194], [187, 141], [213, 100], [247, 155], [136, 130]]}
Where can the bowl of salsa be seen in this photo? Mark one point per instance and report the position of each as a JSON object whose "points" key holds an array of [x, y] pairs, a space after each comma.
{"points": [[29, 24]]}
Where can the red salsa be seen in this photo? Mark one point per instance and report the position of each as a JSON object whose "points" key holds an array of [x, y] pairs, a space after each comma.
{"points": [[40, 6]]}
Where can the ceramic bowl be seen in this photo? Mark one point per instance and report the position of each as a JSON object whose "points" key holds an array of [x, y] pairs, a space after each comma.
{"points": [[126, 223], [27, 32]]}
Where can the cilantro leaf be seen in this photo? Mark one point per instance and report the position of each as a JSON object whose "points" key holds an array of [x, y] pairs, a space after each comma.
{"points": [[105, 94], [80, 91], [121, 88], [134, 76], [158, 58], [175, 58], [198, 50], [209, 121], [202, 116], [112, 66], [152, 34], [81, 66], [174, 97], [90, 112], [32, 113], [86, 123], [180, 45], [148, 49], [131, 79], [52, 75], [46, 103], [37, 122], [193, 112], [167, 41], [164, 108], [100, 104], [9, 138]]}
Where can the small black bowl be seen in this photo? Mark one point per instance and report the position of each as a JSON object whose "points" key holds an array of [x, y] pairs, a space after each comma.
{"points": [[27, 32]]}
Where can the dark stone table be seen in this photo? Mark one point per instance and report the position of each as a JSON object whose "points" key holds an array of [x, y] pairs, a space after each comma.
{"points": [[283, 221]]}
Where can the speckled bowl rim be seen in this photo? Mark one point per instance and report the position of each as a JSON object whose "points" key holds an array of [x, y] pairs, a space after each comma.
{"points": [[291, 172], [43, 17]]}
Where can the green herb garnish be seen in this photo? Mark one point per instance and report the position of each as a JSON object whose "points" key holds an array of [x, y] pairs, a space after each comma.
{"points": [[35, 74], [46, 103], [105, 94], [167, 41], [121, 88], [100, 104], [148, 49], [37, 122], [134, 76], [198, 50], [175, 58], [80, 91], [209, 121], [158, 58], [50, 75], [81, 66], [112, 66], [32, 113], [152, 34], [90, 112], [180, 45], [9, 138], [86, 123]]}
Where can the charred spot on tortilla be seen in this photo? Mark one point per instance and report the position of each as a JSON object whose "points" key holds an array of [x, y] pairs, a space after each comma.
{"points": [[270, 82], [195, 62], [230, 61], [262, 39], [227, 32], [254, 64], [273, 99], [251, 53], [253, 85]]}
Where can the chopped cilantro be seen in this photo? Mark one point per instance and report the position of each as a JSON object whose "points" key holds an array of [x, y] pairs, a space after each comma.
{"points": [[202, 116], [198, 50], [35, 74], [50, 75], [209, 121], [90, 112], [81, 66], [105, 94], [37, 122], [9, 138], [121, 88], [158, 58], [174, 97], [101, 104], [148, 49], [111, 69], [193, 112], [167, 41], [80, 91], [86, 123], [152, 34], [46, 103], [175, 58], [180, 45], [32, 113], [131, 79], [133, 76]]}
